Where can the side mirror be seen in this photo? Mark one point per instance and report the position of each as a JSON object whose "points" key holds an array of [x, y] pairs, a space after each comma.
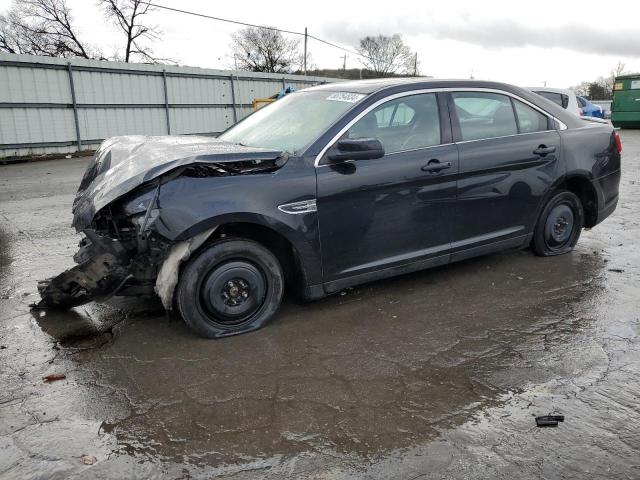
{"points": [[356, 149]]}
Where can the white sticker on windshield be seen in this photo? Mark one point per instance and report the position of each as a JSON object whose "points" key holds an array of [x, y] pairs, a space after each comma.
{"points": [[345, 97]]}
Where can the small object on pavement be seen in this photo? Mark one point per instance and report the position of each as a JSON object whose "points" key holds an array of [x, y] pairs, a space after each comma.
{"points": [[549, 420], [88, 459], [54, 378]]}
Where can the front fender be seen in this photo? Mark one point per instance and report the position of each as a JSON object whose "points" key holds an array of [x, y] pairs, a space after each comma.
{"points": [[300, 230], [189, 205]]}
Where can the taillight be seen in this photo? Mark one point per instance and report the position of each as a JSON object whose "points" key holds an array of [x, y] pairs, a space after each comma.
{"points": [[618, 143]]}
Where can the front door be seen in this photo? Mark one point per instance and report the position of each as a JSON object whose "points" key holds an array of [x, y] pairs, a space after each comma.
{"points": [[396, 210]]}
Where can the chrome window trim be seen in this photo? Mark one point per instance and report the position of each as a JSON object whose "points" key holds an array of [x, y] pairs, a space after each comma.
{"points": [[504, 136], [401, 151], [419, 148], [561, 125]]}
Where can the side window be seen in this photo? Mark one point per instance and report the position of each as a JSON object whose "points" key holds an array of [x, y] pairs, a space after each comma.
{"points": [[556, 98], [484, 115], [406, 123], [581, 102], [529, 119], [394, 115], [403, 115]]}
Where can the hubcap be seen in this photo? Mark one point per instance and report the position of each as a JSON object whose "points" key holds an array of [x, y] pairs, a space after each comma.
{"points": [[232, 292], [559, 226], [235, 292]]}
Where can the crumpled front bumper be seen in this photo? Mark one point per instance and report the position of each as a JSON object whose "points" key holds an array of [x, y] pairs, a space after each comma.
{"points": [[100, 273]]}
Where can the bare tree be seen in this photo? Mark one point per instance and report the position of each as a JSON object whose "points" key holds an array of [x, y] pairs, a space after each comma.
{"points": [[261, 49], [10, 35], [582, 89], [42, 27], [602, 87], [618, 69], [386, 55], [127, 14]]}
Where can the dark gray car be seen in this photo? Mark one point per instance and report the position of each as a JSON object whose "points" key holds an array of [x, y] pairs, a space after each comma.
{"points": [[330, 187]]}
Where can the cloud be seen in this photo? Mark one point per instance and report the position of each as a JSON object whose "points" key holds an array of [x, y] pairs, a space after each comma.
{"points": [[499, 34]]}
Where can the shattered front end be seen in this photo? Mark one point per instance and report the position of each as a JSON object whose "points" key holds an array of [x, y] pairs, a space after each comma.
{"points": [[118, 206], [100, 273], [118, 255]]}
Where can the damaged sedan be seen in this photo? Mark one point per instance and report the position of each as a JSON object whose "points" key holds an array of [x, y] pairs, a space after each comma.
{"points": [[331, 187]]}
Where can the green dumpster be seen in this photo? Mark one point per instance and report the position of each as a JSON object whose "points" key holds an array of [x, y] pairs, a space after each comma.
{"points": [[625, 109]]}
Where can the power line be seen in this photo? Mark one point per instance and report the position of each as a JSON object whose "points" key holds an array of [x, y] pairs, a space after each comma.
{"points": [[338, 46], [246, 24], [237, 22]]}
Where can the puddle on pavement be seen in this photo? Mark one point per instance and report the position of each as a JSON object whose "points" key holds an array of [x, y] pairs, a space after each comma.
{"points": [[92, 325], [383, 367]]}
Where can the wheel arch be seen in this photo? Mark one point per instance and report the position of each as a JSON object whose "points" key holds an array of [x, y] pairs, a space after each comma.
{"points": [[586, 192], [278, 244], [299, 261], [582, 187]]}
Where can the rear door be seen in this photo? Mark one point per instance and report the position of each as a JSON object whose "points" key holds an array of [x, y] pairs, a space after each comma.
{"points": [[508, 159]]}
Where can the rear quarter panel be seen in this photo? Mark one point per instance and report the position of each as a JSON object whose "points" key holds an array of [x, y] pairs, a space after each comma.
{"points": [[590, 151]]}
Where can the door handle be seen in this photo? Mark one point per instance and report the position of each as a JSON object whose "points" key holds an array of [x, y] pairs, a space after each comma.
{"points": [[435, 166], [543, 150]]}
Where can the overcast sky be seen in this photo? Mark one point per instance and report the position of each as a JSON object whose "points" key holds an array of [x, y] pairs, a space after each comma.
{"points": [[560, 42]]}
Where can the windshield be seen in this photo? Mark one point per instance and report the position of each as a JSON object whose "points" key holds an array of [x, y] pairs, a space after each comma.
{"points": [[291, 123]]}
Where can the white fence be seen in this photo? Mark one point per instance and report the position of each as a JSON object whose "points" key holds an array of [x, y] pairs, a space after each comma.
{"points": [[605, 104], [52, 105]]}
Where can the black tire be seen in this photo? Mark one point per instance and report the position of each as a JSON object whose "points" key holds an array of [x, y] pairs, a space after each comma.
{"points": [[233, 286], [559, 225]]}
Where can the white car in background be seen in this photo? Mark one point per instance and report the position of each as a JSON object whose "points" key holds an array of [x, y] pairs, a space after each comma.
{"points": [[561, 96]]}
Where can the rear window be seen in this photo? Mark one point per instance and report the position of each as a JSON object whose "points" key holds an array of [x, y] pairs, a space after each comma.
{"points": [[557, 98], [529, 119]]}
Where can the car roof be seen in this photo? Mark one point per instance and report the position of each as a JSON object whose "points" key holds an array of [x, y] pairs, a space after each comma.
{"points": [[551, 89], [389, 86], [378, 84]]}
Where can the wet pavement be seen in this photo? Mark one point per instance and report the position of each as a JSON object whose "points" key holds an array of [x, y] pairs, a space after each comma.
{"points": [[437, 374]]}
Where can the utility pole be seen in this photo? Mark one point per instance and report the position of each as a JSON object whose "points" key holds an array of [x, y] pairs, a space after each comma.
{"points": [[305, 51], [344, 63], [415, 65]]}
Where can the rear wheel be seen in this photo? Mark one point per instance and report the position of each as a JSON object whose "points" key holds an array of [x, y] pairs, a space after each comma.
{"points": [[234, 286], [559, 225]]}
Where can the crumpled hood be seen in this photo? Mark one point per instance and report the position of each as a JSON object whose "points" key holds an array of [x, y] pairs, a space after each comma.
{"points": [[123, 163]]}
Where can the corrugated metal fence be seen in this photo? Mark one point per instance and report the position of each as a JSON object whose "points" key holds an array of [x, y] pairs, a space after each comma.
{"points": [[51, 105]]}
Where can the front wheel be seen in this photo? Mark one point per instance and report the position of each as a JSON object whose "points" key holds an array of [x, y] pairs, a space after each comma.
{"points": [[559, 225], [234, 286]]}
